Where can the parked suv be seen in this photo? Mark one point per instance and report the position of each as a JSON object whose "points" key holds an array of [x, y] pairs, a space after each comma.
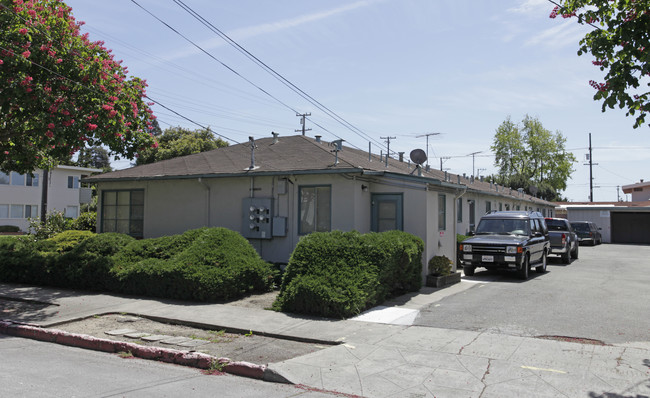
{"points": [[511, 240], [587, 232]]}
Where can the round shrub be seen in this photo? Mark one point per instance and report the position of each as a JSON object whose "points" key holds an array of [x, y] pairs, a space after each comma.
{"points": [[340, 274], [86, 221]]}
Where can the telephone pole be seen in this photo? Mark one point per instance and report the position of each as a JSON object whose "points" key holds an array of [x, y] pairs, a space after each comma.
{"points": [[591, 177], [388, 147], [427, 135], [303, 116]]}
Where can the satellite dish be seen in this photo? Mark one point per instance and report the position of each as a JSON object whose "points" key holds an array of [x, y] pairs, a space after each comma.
{"points": [[418, 156]]}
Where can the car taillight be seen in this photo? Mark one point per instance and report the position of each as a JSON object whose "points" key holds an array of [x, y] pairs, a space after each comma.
{"points": [[563, 239]]}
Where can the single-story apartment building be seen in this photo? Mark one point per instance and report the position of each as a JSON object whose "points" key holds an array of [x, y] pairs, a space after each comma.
{"points": [[275, 190]]}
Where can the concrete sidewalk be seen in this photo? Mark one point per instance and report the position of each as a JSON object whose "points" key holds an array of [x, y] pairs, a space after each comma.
{"points": [[392, 359]]}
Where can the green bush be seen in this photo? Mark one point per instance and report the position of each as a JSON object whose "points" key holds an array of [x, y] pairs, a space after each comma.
{"points": [[440, 265], [206, 264], [340, 274], [86, 221], [68, 240], [88, 264], [9, 228], [22, 260], [55, 222], [460, 238]]}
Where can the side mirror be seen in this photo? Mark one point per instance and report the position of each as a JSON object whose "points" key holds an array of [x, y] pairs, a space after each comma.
{"points": [[470, 233], [538, 234]]}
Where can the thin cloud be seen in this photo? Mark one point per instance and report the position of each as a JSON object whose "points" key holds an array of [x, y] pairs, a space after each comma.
{"points": [[568, 32], [530, 7]]}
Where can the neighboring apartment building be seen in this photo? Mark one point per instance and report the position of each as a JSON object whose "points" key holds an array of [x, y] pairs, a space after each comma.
{"points": [[20, 194], [640, 191]]}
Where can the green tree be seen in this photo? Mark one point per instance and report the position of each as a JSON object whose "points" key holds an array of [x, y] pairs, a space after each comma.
{"points": [[178, 141], [96, 157], [619, 42], [60, 92], [529, 156]]}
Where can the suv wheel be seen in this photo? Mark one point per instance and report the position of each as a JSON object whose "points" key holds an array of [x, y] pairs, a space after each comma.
{"points": [[542, 267], [574, 254], [523, 272], [468, 270]]}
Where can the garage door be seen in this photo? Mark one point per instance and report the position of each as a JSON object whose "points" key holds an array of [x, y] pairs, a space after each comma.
{"points": [[630, 227]]}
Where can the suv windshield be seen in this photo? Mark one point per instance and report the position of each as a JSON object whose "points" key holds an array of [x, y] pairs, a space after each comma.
{"points": [[502, 226]]}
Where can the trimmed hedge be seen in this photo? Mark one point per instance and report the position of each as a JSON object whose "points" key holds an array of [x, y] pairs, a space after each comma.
{"points": [[9, 228], [206, 264], [340, 274]]}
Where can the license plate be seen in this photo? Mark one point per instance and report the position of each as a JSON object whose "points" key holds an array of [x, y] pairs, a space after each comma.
{"points": [[487, 259]]}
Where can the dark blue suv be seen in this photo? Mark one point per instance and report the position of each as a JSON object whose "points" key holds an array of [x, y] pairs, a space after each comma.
{"points": [[510, 240]]}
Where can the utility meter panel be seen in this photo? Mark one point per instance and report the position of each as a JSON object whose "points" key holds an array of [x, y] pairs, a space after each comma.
{"points": [[257, 220]]}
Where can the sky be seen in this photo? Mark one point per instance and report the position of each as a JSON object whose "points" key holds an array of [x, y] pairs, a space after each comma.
{"points": [[380, 68]]}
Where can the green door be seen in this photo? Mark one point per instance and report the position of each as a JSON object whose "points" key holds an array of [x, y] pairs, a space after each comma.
{"points": [[387, 212]]}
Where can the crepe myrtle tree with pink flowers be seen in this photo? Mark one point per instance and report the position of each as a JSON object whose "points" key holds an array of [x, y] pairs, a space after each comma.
{"points": [[60, 92], [620, 43]]}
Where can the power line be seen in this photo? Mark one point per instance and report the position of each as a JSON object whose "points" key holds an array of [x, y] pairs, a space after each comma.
{"points": [[228, 67], [273, 72]]}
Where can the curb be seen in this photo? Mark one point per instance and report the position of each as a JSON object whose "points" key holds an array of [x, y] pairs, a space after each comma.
{"points": [[178, 357]]}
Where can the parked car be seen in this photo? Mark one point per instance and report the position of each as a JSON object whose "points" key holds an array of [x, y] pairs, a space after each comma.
{"points": [[564, 241], [587, 232], [511, 240]]}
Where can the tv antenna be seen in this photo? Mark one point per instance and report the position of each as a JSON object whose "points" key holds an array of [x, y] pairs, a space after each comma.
{"points": [[427, 135]]}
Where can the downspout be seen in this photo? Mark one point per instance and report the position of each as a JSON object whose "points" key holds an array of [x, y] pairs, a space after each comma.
{"points": [[456, 225], [207, 200]]}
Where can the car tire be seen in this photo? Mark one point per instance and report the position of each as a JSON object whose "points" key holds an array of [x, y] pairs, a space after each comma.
{"points": [[566, 256], [574, 254], [468, 270], [525, 267], [542, 267]]}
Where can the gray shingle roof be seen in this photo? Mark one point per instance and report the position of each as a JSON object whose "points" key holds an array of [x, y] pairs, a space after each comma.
{"points": [[290, 155]]}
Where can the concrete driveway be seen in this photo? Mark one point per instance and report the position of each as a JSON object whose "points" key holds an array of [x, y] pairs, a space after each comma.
{"points": [[604, 295]]}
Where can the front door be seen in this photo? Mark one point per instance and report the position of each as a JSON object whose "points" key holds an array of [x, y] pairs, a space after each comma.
{"points": [[387, 212]]}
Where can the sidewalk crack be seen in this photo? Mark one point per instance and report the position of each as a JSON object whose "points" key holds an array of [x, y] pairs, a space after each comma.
{"points": [[460, 352]]}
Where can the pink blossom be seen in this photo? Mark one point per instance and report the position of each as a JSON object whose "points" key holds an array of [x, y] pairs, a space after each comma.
{"points": [[91, 126], [1, 62], [50, 126], [22, 31], [59, 60], [27, 53], [49, 133]]}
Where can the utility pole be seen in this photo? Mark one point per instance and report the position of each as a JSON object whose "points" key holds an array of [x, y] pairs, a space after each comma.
{"points": [[302, 121], [427, 135], [388, 147], [591, 176], [618, 193], [472, 155]]}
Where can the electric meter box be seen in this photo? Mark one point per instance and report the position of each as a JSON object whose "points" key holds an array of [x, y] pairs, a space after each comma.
{"points": [[257, 221]]}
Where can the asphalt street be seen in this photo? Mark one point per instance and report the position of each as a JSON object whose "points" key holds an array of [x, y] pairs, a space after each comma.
{"points": [[603, 295], [35, 369]]}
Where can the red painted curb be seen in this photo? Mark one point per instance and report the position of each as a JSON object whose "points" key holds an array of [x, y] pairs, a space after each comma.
{"points": [[185, 358]]}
